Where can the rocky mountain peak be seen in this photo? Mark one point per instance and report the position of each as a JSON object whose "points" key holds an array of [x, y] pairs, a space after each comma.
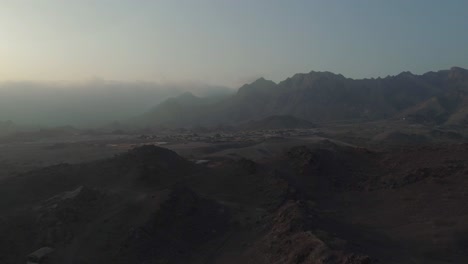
{"points": [[258, 86], [458, 73]]}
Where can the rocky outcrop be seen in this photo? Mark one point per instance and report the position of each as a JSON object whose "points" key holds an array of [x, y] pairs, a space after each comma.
{"points": [[182, 224], [291, 240]]}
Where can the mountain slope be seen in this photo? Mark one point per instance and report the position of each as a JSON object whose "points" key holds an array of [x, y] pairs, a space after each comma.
{"points": [[151, 206], [317, 202]]}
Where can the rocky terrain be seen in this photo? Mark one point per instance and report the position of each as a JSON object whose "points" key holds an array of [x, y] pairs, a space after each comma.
{"points": [[318, 168], [309, 201]]}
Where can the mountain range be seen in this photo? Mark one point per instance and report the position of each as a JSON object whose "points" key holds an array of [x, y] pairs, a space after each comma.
{"points": [[435, 98], [89, 103]]}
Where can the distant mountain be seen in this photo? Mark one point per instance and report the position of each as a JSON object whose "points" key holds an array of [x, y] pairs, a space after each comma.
{"points": [[449, 106], [325, 96], [88, 104], [28, 135], [277, 122], [176, 111]]}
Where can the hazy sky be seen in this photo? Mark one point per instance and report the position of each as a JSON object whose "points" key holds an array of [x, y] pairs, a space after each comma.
{"points": [[228, 42]]}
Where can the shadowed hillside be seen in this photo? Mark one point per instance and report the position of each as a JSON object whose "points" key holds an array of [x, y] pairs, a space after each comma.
{"points": [[319, 202]]}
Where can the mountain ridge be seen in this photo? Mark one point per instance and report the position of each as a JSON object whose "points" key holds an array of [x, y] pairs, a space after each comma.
{"points": [[322, 97]]}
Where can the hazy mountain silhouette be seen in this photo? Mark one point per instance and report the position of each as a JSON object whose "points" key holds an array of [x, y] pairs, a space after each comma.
{"points": [[435, 97], [91, 103]]}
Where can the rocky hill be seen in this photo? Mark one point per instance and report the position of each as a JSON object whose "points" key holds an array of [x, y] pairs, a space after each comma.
{"points": [[320, 202]]}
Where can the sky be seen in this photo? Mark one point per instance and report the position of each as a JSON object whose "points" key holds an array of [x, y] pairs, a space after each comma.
{"points": [[227, 42]]}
